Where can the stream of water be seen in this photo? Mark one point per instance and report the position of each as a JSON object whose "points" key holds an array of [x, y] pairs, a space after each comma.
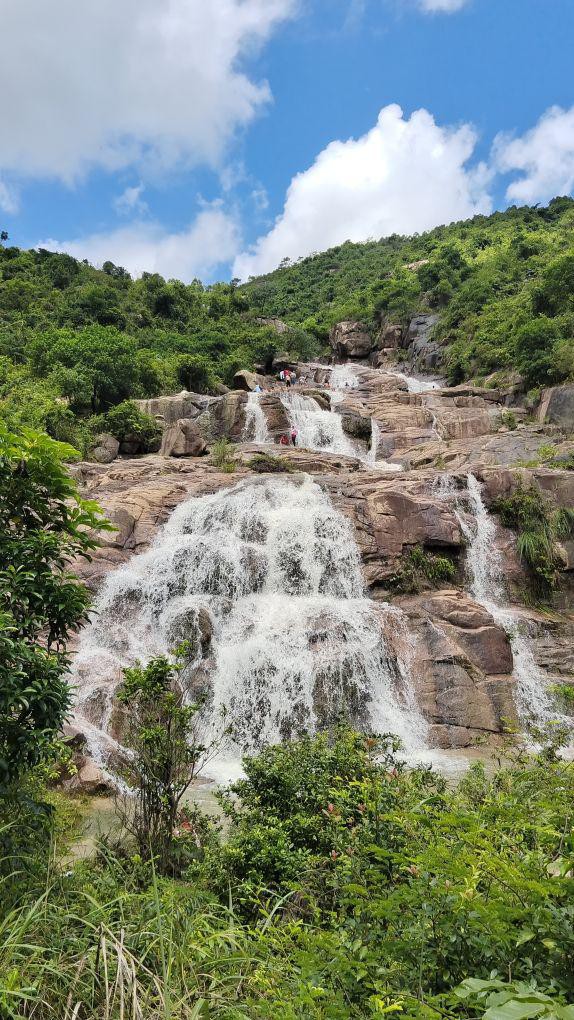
{"points": [[255, 429], [274, 569], [484, 563]]}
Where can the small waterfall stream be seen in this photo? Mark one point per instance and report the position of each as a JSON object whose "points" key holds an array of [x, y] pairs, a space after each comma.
{"points": [[255, 429], [317, 429], [487, 586], [265, 582], [322, 430]]}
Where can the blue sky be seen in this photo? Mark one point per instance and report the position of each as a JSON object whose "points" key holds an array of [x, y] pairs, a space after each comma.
{"points": [[211, 137]]}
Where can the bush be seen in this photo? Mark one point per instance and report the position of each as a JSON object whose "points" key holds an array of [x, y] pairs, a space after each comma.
{"points": [[419, 568], [222, 455], [43, 525], [128, 424], [539, 528], [268, 463], [168, 754]]}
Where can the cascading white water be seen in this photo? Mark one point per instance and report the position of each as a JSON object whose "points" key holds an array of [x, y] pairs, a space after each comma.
{"points": [[486, 572], [414, 384], [255, 429], [343, 377], [275, 569], [316, 428]]}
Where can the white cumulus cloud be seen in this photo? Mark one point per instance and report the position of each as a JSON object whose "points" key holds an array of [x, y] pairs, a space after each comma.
{"points": [[544, 156], [114, 83], [403, 176], [203, 248], [131, 201], [442, 6], [8, 199]]}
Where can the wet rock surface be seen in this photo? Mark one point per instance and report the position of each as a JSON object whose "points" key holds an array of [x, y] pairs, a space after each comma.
{"points": [[463, 668]]}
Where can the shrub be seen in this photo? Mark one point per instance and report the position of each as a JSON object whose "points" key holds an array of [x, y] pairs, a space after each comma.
{"points": [[419, 567], [168, 754], [222, 455], [268, 463], [127, 423], [43, 525], [539, 528]]}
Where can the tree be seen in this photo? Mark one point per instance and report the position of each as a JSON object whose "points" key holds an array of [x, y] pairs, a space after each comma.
{"points": [[44, 525], [535, 358], [168, 754]]}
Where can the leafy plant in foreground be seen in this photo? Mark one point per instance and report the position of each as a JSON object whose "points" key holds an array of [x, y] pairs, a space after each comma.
{"points": [[44, 525]]}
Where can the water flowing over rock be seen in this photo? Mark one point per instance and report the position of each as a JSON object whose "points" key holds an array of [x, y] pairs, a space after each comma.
{"points": [[272, 569], [263, 574], [255, 429], [533, 700], [316, 428]]}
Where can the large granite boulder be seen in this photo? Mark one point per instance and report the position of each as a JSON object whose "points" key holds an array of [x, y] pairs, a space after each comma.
{"points": [[172, 408], [245, 380], [425, 355], [225, 417], [350, 340], [390, 337], [105, 448], [283, 360], [183, 439], [557, 406], [461, 667]]}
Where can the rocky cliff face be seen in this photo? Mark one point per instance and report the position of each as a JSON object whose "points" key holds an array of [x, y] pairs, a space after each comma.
{"points": [[405, 489]]}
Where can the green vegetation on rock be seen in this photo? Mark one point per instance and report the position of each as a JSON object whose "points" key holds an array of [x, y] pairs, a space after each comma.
{"points": [[502, 286], [539, 529]]}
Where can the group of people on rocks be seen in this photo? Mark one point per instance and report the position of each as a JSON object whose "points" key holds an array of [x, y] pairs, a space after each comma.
{"points": [[287, 376], [289, 439]]}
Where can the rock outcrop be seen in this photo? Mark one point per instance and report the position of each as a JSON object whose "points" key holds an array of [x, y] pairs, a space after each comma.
{"points": [[557, 406], [170, 409], [461, 659], [350, 340], [425, 355], [244, 380], [105, 448], [183, 439], [462, 669]]}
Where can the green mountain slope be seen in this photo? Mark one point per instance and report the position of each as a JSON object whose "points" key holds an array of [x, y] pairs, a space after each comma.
{"points": [[76, 341], [503, 286]]}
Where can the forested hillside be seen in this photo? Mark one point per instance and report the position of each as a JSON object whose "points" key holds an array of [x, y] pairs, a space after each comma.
{"points": [[503, 286], [76, 341]]}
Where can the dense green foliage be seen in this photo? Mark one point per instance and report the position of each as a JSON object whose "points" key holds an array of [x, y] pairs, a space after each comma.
{"points": [[43, 526], [346, 887], [502, 285], [540, 528], [167, 755], [75, 341], [419, 569]]}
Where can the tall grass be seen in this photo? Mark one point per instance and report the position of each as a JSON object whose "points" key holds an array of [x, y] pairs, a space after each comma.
{"points": [[72, 955]]}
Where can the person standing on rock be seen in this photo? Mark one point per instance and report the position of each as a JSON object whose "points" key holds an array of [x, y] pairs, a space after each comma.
{"points": [[287, 378], [294, 436]]}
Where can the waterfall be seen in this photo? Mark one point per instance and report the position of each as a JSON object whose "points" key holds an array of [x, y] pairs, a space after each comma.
{"points": [[255, 429], [486, 571], [375, 439], [317, 429], [264, 581], [343, 377], [414, 384]]}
